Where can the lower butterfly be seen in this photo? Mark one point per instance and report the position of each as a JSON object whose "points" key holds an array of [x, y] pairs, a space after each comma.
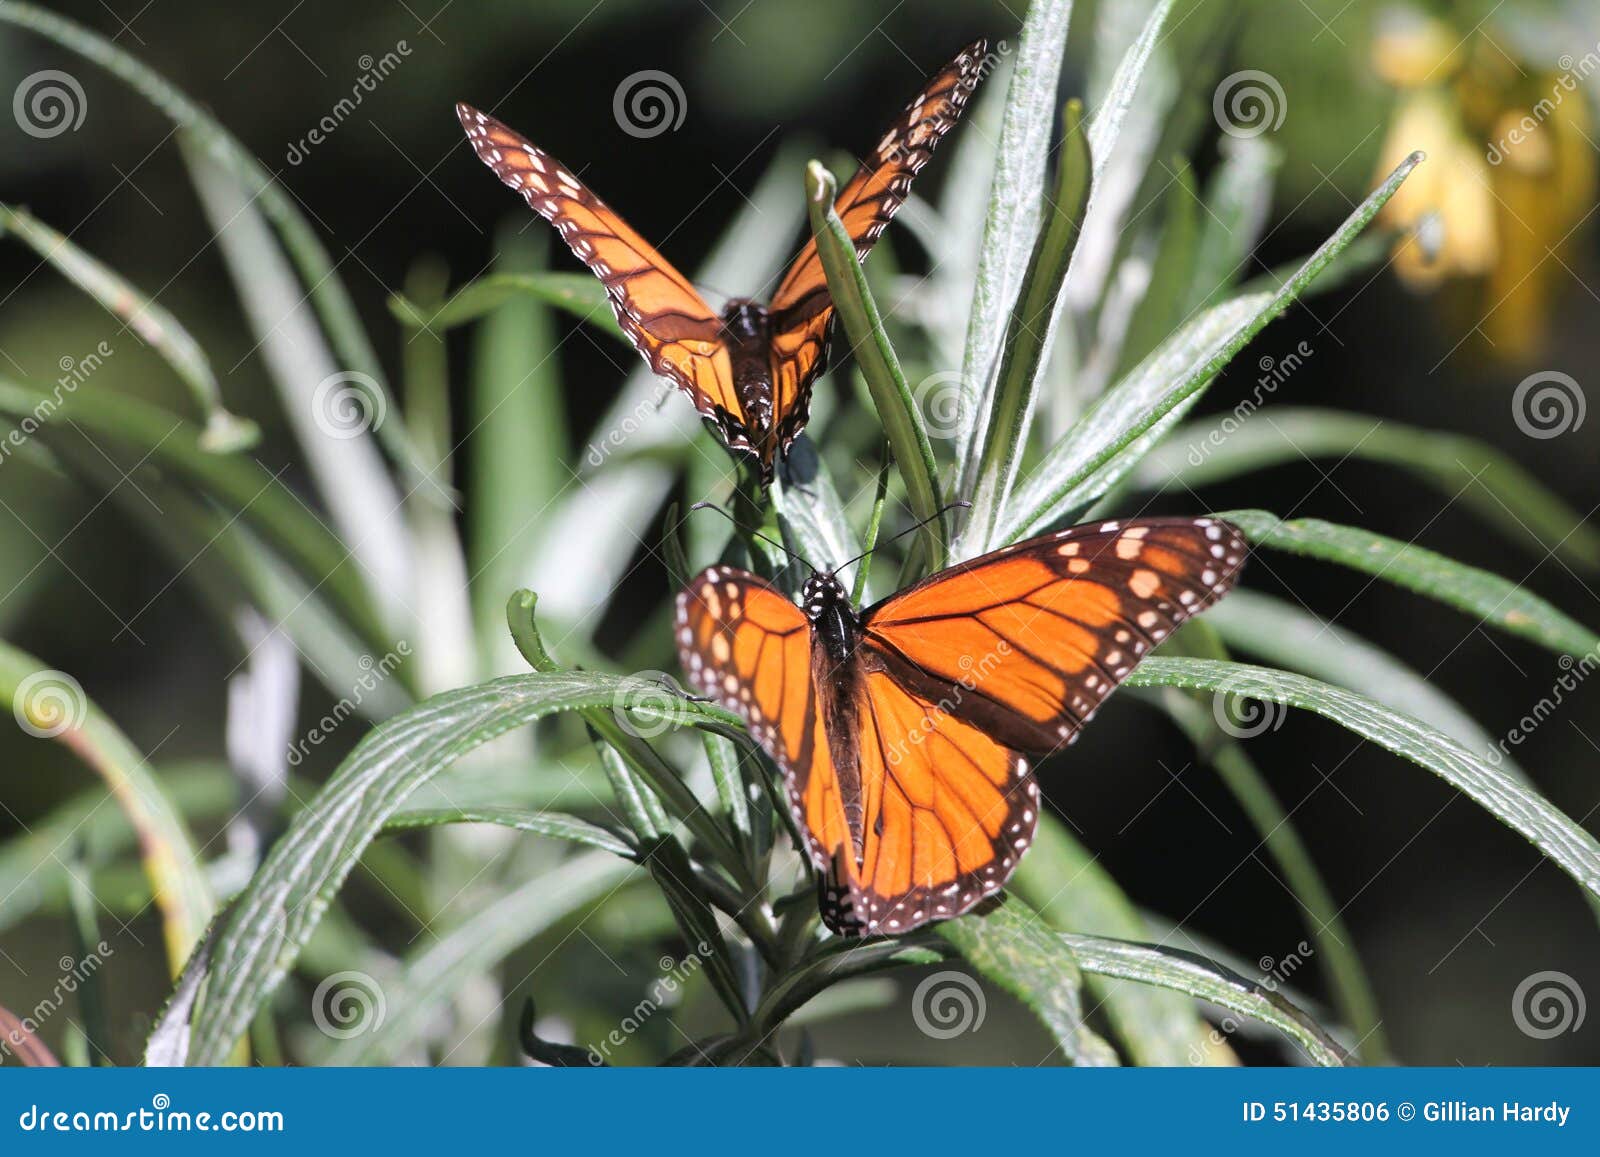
{"points": [[904, 730]]}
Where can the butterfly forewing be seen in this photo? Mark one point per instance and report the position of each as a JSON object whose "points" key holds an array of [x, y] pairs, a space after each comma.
{"points": [[744, 644], [1028, 641], [657, 307], [801, 308]]}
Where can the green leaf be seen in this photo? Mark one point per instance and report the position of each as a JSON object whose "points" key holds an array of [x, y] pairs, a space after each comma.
{"points": [[1071, 890], [332, 413], [580, 294], [809, 510], [897, 409], [280, 908], [224, 432], [239, 484], [1296, 640], [1464, 469], [556, 825], [517, 425], [321, 277], [1127, 420], [1202, 719], [1028, 339], [1506, 798], [1483, 596], [1238, 199], [1164, 306], [1015, 198], [433, 975], [1198, 977], [55, 706], [1011, 946], [1108, 441]]}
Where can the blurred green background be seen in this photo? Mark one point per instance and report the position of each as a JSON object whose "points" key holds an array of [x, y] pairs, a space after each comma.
{"points": [[1449, 909]]}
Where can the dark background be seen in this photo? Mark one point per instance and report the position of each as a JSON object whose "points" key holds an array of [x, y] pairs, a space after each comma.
{"points": [[1448, 908]]}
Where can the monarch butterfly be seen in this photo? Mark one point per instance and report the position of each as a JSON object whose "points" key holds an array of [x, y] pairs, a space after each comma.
{"points": [[900, 729], [749, 369]]}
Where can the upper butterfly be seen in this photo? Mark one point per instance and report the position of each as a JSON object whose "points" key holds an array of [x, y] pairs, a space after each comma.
{"points": [[900, 728], [749, 369]]}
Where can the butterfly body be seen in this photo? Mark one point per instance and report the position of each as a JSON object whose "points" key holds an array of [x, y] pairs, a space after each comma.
{"points": [[750, 368], [747, 332], [904, 730]]}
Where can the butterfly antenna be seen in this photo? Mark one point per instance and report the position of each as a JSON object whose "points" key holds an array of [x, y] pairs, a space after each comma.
{"points": [[940, 513], [753, 532]]}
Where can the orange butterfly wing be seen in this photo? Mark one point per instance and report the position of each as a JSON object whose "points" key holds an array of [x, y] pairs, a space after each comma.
{"points": [[1026, 642], [746, 645], [802, 311], [660, 311], [946, 812]]}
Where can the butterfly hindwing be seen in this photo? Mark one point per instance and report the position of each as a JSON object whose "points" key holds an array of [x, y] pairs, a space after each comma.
{"points": [[946, 813], [660, 311]]}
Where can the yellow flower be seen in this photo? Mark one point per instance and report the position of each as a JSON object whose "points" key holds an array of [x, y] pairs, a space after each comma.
{"points": [[1510, 175]]}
